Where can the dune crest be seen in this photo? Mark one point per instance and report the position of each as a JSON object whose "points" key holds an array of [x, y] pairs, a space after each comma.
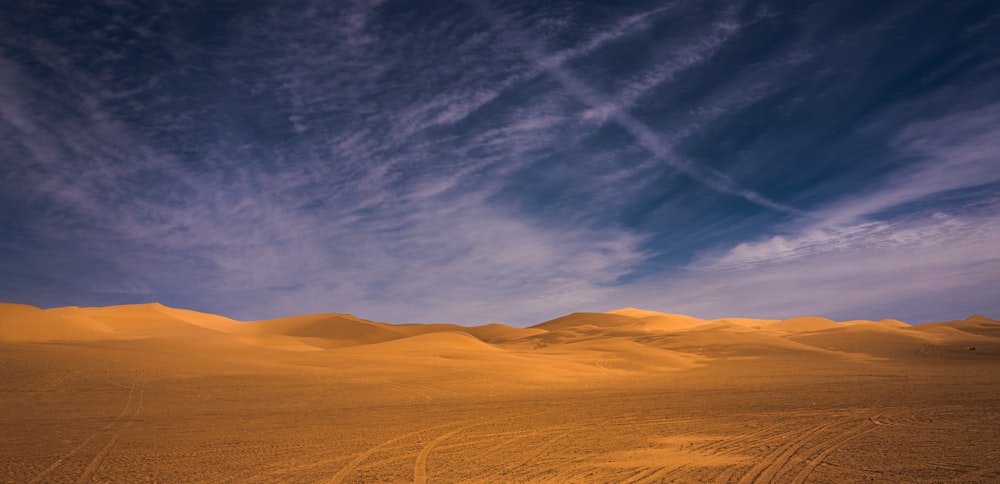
{"points": [[685, 336], [431, 343], [636, 313], [21, 323], [150, 320], [802, 324], [974, 325]]}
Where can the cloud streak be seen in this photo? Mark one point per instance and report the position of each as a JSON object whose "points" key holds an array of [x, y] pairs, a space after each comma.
{"points": [[950, 153], [643, 135]]}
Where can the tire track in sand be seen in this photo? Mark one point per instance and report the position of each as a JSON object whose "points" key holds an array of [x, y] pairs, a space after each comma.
{"points": [[95, 464], [126, 409], [358, 459], [420, 465], [768, 468], [733, 446], [54, 384], [831, 446], [507, 437]]}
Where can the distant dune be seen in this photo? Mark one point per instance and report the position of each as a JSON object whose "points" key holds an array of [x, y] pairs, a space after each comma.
{"points": [[151, 393], [20, 323], [662, 331]]}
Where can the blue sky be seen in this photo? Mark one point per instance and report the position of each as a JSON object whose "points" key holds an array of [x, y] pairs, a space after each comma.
{"points": [[480, 161]]}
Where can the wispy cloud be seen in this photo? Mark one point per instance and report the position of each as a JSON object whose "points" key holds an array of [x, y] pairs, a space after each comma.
{"points": [[855, 257], [691, 52], [949, 153], [396, 245], [623, 28], [410, 165], [643, 135], [922, 270], [952, 152]]}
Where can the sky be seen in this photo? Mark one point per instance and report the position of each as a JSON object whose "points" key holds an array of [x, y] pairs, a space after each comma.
{"points": [[481, 161]]}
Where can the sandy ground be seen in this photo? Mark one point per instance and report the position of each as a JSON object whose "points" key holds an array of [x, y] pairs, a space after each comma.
{"points": [[154, 394]]}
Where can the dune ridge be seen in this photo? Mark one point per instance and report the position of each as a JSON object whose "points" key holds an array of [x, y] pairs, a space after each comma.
{"points": [[661, 331]]}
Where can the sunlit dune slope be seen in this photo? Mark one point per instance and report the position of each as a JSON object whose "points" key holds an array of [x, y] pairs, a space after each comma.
{"points": [[498, 333], [28, 323], [724, 339], [976, 324], [20, 323], [490, 333], [325, 330], [636, 312], [345, 330], [435, 344], [889, 323], [657, 321], [871, 339], [592, 322], [151, 320], [801, 324], [623, 322], [623, 354]]}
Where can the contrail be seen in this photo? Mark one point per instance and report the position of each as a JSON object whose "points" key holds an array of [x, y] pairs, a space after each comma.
{"points": [[643, 135]]}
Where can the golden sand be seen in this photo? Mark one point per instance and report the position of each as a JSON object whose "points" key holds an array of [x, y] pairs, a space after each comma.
{"points": [[151, 393]]}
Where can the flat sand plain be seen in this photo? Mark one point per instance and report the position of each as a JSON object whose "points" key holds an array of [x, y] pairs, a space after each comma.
{"points": [[148, 393]]}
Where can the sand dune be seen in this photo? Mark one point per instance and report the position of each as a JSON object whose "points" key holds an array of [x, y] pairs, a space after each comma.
{"points": [[498, 333], [20, 323], [656, 331], [288, 343], [588, 322], [976, 324], [326, 330], [801, 324], [435, 343], [656, 321], [151, 320], [624, 354], [871, 339], [147, 392], [636, 312]]}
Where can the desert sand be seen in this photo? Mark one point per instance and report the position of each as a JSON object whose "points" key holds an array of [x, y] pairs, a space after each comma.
{"points": [[148, 393]]}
